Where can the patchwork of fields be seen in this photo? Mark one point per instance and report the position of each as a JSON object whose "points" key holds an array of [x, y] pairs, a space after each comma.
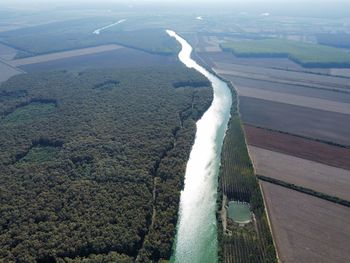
{"points": [[306, 228], [297, 126]]}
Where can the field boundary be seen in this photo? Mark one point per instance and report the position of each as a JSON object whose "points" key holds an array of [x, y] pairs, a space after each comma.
{"points": [[305, 190], [299, 136]]}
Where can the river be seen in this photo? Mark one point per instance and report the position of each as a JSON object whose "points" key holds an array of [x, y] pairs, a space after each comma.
{"points": [[98, 31], [196, 236]]}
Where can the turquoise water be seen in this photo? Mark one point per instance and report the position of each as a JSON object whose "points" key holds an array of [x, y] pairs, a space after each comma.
{"points": [[196, 237], [239, 212]]}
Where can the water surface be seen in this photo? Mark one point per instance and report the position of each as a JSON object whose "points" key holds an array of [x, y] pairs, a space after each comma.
{"points": [[196, 238]]}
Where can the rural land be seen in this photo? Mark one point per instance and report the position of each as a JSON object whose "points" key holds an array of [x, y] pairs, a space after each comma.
{"points": [[98, 116]]}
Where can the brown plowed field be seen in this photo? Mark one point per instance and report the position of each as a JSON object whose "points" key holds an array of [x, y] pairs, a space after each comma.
{"points": [[316, 176], [289, 89], [318, 124], [297, 100], [299, 147], [307, 229]]}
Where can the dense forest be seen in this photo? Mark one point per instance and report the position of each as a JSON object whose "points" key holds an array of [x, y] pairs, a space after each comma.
{"points": [[78, 33], [92, 163], [252, 242]]}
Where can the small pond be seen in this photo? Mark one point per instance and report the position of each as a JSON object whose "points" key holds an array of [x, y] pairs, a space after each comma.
{"points": [[239, 212]]}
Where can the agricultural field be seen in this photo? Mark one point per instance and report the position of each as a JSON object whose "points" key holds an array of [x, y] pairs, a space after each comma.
{"points": [[118, 58], [308, 122], [6, 71], [62, 55], [309, 174], [284, 77], [305, 228], [296, 100], [299, 147], [305, 91], [6, 52], [306, 54], [295, 120]]}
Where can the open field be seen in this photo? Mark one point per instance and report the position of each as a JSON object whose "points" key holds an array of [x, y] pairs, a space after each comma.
{"points": [[316, 176], [7, 53], [289, 89], [7, 72], [307, 229], [118, 58], [318, 124], [62, 55], [341, 72], [283, 76], [299, 147], [308, 55], [320, 104], [274, 63]]}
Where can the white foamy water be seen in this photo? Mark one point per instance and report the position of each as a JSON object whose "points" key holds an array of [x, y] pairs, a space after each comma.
{"points": [[98, 31], [196, 238]]}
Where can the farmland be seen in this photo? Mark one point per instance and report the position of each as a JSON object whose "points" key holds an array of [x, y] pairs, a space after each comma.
{"points": [[298, 147], [308, 55], [306, 228], [62, 55], [118, 58], [325, 82], [319, 177], [308, 122], [6, 71], [296, 125], [296, 100]]}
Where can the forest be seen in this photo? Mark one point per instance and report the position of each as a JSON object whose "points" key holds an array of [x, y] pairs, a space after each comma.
{"points": [[252, 242], [78, 33], [92, 163]]}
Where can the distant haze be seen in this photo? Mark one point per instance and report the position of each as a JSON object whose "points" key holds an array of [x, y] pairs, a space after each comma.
{"points": [[324, 8]]}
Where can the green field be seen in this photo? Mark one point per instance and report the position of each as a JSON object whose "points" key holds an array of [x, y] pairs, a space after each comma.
{"points": [[306, 54], [30, 112], [40, 154]]}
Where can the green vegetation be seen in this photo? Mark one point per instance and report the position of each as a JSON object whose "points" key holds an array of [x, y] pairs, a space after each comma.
{"points": [[29, 112], [253, 241], [98, 179], [40, 154], [341, 40], [306, 54], [74, 34]]}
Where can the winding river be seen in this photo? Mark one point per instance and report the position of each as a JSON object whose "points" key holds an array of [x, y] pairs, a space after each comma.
{"points": [[196, 237]]}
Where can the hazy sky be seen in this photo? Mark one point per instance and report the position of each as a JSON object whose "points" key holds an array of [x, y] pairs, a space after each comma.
{"points": [[327, 8]]}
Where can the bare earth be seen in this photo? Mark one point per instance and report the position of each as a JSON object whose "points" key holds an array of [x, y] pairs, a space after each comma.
{"points": [[283, 75], [307, 229], [289, 89], [296, 100], [319, 124], [65, 54], [320, 177], [298, 147], [7, 72], [7, 53]]}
